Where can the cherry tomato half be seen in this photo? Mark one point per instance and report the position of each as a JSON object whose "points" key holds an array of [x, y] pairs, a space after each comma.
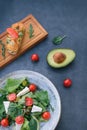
{"points": [[32, 87], [12, 33], [35, 57], [46, 115], [5, 122], [12, 97], [67, 83], [19, 119], [28, 101]]}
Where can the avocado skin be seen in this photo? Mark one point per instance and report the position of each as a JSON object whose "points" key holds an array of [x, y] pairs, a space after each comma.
{"points": [[70, 56]]}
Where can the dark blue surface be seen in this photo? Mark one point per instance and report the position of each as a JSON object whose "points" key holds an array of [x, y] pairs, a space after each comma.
{"points": [[58, 17]]}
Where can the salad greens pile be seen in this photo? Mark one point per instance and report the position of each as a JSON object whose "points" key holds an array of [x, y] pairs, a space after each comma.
{"points": [[18, 107]]}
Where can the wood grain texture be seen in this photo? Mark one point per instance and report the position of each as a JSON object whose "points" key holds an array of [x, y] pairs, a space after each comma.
{"points": [[39, 34]]}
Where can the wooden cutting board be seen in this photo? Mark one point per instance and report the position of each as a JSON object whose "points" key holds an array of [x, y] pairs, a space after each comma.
{"points": [[39, 34]]}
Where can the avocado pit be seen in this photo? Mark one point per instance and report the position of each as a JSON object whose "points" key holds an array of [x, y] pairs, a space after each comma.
{"points": [[59, 57]]}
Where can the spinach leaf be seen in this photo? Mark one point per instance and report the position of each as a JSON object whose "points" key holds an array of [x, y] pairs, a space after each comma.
{"points": [[2, 109], [58, 39], [15, 110], [34, 124]]}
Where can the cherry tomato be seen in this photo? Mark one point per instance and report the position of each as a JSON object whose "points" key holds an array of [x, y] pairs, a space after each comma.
{"points": [[46, 115], [28, 101], [32, 87], [34, 57], [12, 33], [5, 122], [67, 83], [12, 97], [19, 119]]}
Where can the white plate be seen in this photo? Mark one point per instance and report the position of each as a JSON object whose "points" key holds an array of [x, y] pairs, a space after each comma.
{"points": [[44, 84]]}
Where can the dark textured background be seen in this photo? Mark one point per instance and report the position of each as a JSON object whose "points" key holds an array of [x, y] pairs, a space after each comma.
{"points": [[58, 17]]}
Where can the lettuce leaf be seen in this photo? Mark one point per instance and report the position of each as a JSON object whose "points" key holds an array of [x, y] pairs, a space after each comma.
{"points": [[25, 126], [13, 84], [3, 92], [42, 97]]}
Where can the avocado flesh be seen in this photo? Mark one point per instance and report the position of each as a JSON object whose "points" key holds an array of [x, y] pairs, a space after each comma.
{"points": [[70, 56]]}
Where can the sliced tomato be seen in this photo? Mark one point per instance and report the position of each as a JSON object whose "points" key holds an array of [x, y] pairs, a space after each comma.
{"points": [[19, 119], [12, 33], [32, 87], [46, 115], [28, 101], [5, 122], [12, 97]]}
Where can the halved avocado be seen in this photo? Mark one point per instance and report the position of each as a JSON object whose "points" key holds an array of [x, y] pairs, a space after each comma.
{"points": [[58, 58]]}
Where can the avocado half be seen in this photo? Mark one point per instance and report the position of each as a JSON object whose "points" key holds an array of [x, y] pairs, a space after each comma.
{"points": [[69, 57]]}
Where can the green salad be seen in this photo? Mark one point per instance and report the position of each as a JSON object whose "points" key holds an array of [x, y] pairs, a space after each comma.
{"points": [[23, 105]]}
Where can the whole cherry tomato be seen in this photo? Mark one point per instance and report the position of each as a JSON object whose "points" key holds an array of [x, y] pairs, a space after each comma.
{"points": [[19, 119], [67, 82], [5, 122], [28, 101], [32, 87], [12, 33], [34, 57], [12, 97], [46, 115]]}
